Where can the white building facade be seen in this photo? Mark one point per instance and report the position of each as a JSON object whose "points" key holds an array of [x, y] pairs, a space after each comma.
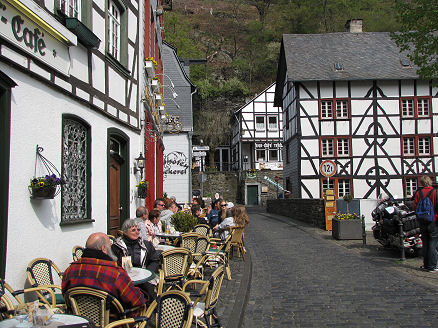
{"points": [[70, 84], [359, 103]]}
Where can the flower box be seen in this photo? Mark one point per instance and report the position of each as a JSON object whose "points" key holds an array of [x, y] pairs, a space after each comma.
{"points": [[142, 189], [155, 85], [149, 66], [347, 229], [158, 100]]}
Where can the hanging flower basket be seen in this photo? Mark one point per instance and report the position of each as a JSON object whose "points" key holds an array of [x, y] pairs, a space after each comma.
{"points": [[142, 189], [44, 187]]}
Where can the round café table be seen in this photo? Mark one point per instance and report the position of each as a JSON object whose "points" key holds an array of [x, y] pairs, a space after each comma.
{"points": [[140, 275], [164, 247], [55, 321]]}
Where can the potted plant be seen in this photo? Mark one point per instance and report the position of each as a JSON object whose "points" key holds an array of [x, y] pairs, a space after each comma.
{"points": [[347, 226], [183, 221], [150, 65], [46, 187], [142, 189]]}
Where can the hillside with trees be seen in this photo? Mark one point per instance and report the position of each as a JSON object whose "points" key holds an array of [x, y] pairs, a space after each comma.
{"points": [[240, 39]]}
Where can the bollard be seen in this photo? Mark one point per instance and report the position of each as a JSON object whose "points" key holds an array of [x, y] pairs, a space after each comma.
{"points": [[364, 234], [401, 234]]}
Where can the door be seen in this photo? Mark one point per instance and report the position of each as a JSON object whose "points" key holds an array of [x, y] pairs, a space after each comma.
{"points": [[115, 206], [252, 194]]}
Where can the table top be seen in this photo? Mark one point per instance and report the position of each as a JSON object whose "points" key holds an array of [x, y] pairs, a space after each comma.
{"points": [[140, 275], [56, 321], [169, 235], [164, 247]]}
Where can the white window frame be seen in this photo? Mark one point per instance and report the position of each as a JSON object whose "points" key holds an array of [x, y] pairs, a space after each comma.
{"points": [[261, 159], [327, 147], [423, 146], [114, 29], [411, 185], [272, 126], [409, 146], [327, 109], [407, 107], [260, 126], [341, 108], [343, 147], [276, 159], [71, 8], [331, 184], [344, 187], [423, 107]]}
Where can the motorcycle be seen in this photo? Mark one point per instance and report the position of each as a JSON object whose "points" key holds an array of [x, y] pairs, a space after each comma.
{"points": [[390, 217]]}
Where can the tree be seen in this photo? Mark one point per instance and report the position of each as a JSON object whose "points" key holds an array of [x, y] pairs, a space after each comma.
{"points": [[419, 34], [262, 7]]}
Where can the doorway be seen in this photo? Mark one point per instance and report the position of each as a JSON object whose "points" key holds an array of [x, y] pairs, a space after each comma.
{"points": [[252, 194], [118, 180]]}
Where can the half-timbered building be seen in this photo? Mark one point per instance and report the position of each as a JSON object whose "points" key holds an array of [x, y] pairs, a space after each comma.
{"points": [[354, 99], [72, 83]]}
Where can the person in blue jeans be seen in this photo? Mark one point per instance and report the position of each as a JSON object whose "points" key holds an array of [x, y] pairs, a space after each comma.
{"points": [[429, 230], [213, 212]]}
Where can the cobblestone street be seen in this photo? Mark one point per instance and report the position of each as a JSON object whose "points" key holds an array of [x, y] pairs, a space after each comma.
{"points": [[302, 278]]}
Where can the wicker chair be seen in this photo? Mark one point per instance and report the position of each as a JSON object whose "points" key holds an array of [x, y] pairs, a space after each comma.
{"points": [[188, 240], [204, 304], [40, 273], [77, 252], [95, 305], [199, 257], [221, 253], [237, 241], [9, 298], [175, 264], [203, 229]]}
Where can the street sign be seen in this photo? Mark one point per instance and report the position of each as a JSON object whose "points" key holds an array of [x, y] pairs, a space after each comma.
{"points": [[276, 178], [199, 153], [200, 148], [327, 168]]}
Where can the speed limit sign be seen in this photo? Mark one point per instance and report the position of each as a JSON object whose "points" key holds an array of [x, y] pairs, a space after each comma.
{"points": [[327, 168]]}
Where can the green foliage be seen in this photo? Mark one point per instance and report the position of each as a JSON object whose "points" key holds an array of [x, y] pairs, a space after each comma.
{"points": [[418, 37], [183, 221], [348, 198]]}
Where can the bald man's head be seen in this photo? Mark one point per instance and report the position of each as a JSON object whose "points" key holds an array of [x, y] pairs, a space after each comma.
{"points": [[101, 242]]}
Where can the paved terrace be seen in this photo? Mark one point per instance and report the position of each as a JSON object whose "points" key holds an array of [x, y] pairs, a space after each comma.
{"points": [[297, 275]]}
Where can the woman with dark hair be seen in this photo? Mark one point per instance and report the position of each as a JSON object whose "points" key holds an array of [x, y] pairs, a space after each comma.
{"points": [[142, 253], [238, 218], [153, 226], [213, 212]]}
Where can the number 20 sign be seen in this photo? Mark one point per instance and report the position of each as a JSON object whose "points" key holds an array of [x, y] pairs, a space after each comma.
{"points": [[327, 168]]}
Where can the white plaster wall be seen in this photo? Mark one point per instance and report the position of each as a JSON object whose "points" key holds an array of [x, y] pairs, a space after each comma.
{"points": [[389, 106], [79, 63], [360, 88], [407, 88], [341, 89], [312, 87], [117, 88], [33, 225], [326, 89], [389, 88], [177, 185], [99, 26]]}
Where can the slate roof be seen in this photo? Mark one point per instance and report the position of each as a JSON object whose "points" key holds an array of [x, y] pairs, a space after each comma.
{"points": [[364, 56]]}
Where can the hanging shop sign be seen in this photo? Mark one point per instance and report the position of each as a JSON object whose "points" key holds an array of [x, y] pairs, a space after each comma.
{"points": [[42, 42]]}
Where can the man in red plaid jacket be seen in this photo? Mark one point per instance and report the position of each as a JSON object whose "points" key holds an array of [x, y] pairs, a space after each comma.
{"points": [[98, 269]]}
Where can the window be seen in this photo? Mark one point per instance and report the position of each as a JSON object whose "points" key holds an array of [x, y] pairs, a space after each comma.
{"points": [[329, 111], [261, 155], [327, 147], [417, 145], [260, 123], [76, 169], [415, 107], [335, 147], [70, 8], [411, 185], [273, 154], [113, 30], [341, 187], [272, 123]]}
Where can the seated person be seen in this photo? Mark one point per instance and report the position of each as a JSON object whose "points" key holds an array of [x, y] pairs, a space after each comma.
{"points": [[196, 212], [98, 269], [153, 226], [142, 253], [213, 212], [238, 218], [171, 209]]}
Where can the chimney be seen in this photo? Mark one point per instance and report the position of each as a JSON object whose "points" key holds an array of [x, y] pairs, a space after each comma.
{"points": [[354, 25]]}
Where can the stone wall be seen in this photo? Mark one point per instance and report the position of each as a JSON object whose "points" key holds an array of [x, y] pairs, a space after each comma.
{"points": [[307, 210], [259, 178], [224, 183]]}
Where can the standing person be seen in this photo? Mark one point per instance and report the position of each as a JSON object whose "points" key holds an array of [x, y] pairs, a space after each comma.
{"points": [[142, 253], [98, 269], [142, 215], [429, 230]]}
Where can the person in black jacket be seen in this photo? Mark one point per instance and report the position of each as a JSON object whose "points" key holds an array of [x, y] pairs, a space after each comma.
{"points": [[142, 253]]}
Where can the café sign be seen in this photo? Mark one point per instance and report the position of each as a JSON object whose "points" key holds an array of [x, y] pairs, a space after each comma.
{"points": [[24, 33], [270, 145]]}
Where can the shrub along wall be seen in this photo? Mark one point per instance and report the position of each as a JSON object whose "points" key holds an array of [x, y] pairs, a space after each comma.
{"points": [[307, 210]]}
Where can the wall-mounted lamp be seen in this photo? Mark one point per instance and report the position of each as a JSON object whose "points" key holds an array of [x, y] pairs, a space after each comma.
{"points": [[139, 161], [174, 94], [171, 82]]}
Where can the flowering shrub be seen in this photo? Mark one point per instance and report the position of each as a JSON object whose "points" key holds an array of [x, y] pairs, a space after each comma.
{"points": [[347, 216], [49, 181], [152, 60], [142, 184]]}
